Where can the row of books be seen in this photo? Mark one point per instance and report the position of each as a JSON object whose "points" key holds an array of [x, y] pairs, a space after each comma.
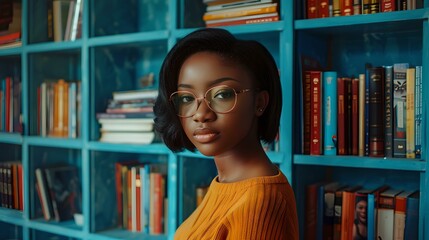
{"points": [[141, 196], [67, 19], [335, 8], [10, 105], [340, 211], [10, 23], [235, 12], [59, 108], [11, 185], [129, 117], [377, 114], [59, 191]]}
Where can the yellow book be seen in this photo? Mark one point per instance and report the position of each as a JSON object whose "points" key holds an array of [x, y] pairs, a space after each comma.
{"points": [[61, 111], [410, 129]]}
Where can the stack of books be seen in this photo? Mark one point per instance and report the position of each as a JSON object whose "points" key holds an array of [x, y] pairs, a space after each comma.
{"points": [[129, 117], [235, 12], [10, 23]]}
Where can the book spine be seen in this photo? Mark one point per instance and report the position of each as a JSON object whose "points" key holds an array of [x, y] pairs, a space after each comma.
{"points": [[399, 109], [385, 218], [388, 5], [307, 111], [367, 80], [346, 7], [336, 9], [311, 9], [410, 118], [399, 220], [355, 117], [243, 21], [374, 6], [239, 13], [316, 113], [388, 107], [376, 112], [411, 230], [418, 103], [338, 202], [371, 216], [341, 139], [330, 112], [361, 147], [357, 7], [323, 10], [348, 113]]}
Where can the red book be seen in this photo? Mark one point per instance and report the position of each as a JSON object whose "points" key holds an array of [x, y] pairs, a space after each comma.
{"points": [[346, 7], [312, 8], [323, 10], [11, 37], [119, 188], [341, 118], [307, 111], [20, 187], [316, 113], [355, 117], [388, 5]]}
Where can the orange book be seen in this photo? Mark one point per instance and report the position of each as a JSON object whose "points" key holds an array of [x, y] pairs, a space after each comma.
{"points": [[61, 109], [239, 12], [347, 217]]}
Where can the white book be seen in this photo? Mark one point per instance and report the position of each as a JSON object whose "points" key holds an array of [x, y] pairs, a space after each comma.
{"points": [[77, 13], [60, 10], [386, 214], [69, 20]]}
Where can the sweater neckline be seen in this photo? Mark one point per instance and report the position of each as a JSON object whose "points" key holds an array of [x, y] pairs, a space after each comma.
{"points": [[232, 187]]}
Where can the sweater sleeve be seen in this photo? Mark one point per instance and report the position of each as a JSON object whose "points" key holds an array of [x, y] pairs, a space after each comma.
{"points": [[265, 214]]}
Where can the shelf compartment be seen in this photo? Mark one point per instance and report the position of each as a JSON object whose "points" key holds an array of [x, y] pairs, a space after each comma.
{"points": [[156, 148], [128, 17], [10, 230], [116, 234], [43, 228], [104, 178], [362, 162], [396, 19]]}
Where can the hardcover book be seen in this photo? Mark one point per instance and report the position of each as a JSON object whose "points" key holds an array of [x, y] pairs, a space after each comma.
{"points": [[399, 108], [418, 103], [386, 213], [330, 113], [388, 108], [376, 112], [410, 117], [65, 190]]}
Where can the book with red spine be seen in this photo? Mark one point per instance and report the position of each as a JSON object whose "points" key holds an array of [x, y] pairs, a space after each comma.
{"points": [[316, 144], [341, 118], [355, 117], [312, 8]]}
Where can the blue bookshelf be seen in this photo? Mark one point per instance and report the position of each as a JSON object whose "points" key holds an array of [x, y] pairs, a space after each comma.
{"points": [[122, 40]]}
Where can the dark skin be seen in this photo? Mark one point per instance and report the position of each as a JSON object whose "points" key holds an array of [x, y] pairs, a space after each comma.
{"points": [[231, 138]]}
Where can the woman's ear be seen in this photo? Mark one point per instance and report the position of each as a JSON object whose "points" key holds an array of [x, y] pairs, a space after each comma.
{"points": [[262, 99]]}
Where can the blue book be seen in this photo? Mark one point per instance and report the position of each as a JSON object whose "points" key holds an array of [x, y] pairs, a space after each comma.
{"points": [[145, 197], [411, 231], [371, 216], [388, 107], [418, 111], [366, 118], [330, 113]]}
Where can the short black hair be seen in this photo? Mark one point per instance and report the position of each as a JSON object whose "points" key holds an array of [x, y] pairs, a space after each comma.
{"points": [[252, 55]]}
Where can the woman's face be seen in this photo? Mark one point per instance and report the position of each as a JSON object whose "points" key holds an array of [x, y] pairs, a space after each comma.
{"points": [[361, 211], [218, 133]]}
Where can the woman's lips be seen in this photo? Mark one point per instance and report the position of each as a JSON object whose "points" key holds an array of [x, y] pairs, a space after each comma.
{"points": [[205, 135]]}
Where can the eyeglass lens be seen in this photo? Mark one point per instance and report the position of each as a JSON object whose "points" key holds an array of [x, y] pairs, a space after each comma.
{"points": [[220, 99]]}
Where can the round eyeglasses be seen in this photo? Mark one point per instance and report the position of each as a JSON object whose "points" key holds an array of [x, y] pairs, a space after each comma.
{"points": [[220, 99]]}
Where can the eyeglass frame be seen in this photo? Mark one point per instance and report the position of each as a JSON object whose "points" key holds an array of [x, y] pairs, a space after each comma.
{"points": [[200, 99]]}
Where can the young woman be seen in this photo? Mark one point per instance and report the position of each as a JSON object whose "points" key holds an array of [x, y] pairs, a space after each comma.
{"points": [[222, 96]]}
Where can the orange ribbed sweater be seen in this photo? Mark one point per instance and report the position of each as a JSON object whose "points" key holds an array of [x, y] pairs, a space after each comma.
{"points": [[257, 208]]}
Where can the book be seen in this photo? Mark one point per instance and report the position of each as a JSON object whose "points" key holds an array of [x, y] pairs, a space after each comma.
{"points": [[418, 103], [134, 94], [316, 113], [44, 194], [376, 112], [244, 19], [410, 114], [386, 213], [328, 208], [241, 11], [330, 109], [388, 108], [60, 9], [399, 108], [341, 117], [128, 137], [400, 211], [411, 230], [236, 4], [361, 145], [354, 117], [65, 190]]}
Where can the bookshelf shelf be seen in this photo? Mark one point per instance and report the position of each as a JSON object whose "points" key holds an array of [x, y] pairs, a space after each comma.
{"points": [[399, 18], [152, 36], [122, 234], [54, 142], [362, 162], [13, 138], [67, 228], [10, 51], [128, 148], [11, 216], [54, 46]]}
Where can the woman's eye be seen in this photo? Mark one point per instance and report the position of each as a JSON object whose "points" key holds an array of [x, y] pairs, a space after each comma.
{"points": [[186, 99], [224, 94]]}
